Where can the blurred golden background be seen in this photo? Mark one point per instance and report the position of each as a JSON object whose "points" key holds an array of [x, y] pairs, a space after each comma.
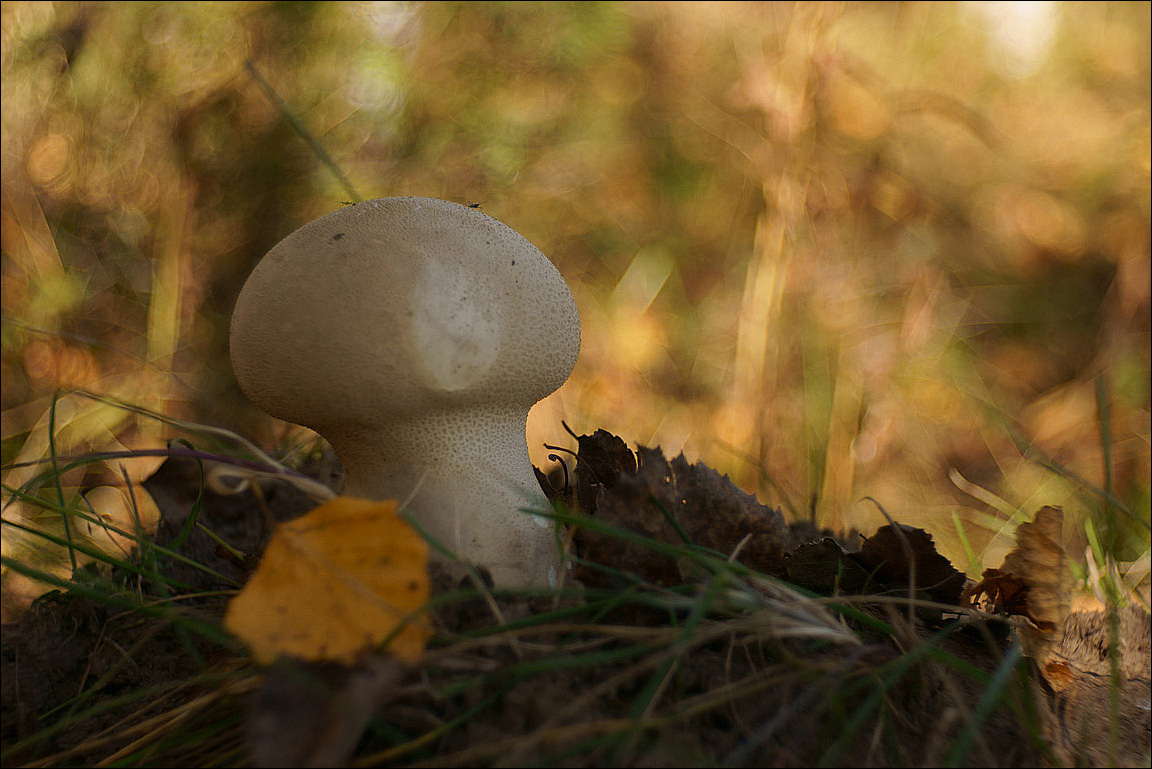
{"points": [[834, 250]]}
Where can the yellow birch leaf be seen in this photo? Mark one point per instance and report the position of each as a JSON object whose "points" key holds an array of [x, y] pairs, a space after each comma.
{"points": [[340, 580]]}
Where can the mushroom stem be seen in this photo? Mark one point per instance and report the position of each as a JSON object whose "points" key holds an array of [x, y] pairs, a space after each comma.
{"points": [[458, 490]]}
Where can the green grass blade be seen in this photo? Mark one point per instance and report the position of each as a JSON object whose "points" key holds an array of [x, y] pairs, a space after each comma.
{"points": [[302, 130], [990, 699]]}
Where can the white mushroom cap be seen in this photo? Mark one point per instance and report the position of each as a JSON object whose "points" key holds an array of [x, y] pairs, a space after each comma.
{"points": [[415, 334]]}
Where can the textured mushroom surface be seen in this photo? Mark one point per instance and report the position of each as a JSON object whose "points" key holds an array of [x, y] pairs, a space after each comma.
{"points": [[415, 334]]}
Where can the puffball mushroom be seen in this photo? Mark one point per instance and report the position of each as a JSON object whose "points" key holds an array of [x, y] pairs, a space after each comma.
{"points": [[414, 334]]}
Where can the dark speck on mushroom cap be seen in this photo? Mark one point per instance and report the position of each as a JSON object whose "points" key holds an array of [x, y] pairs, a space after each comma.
{"points": [[397, 305]]}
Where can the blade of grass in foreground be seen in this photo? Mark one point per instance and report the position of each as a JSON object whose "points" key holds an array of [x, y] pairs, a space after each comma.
{"points": [[1104, 420], [208, 630], [890, 674], [56, 478], [102, 556], [990, 699]]}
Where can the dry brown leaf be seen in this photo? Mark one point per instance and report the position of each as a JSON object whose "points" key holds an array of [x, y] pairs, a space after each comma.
{"points": [[1033, 583], [336, 582], [675, 503], [885, 555], [718, 515], [826, 568], [602, 460]]}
